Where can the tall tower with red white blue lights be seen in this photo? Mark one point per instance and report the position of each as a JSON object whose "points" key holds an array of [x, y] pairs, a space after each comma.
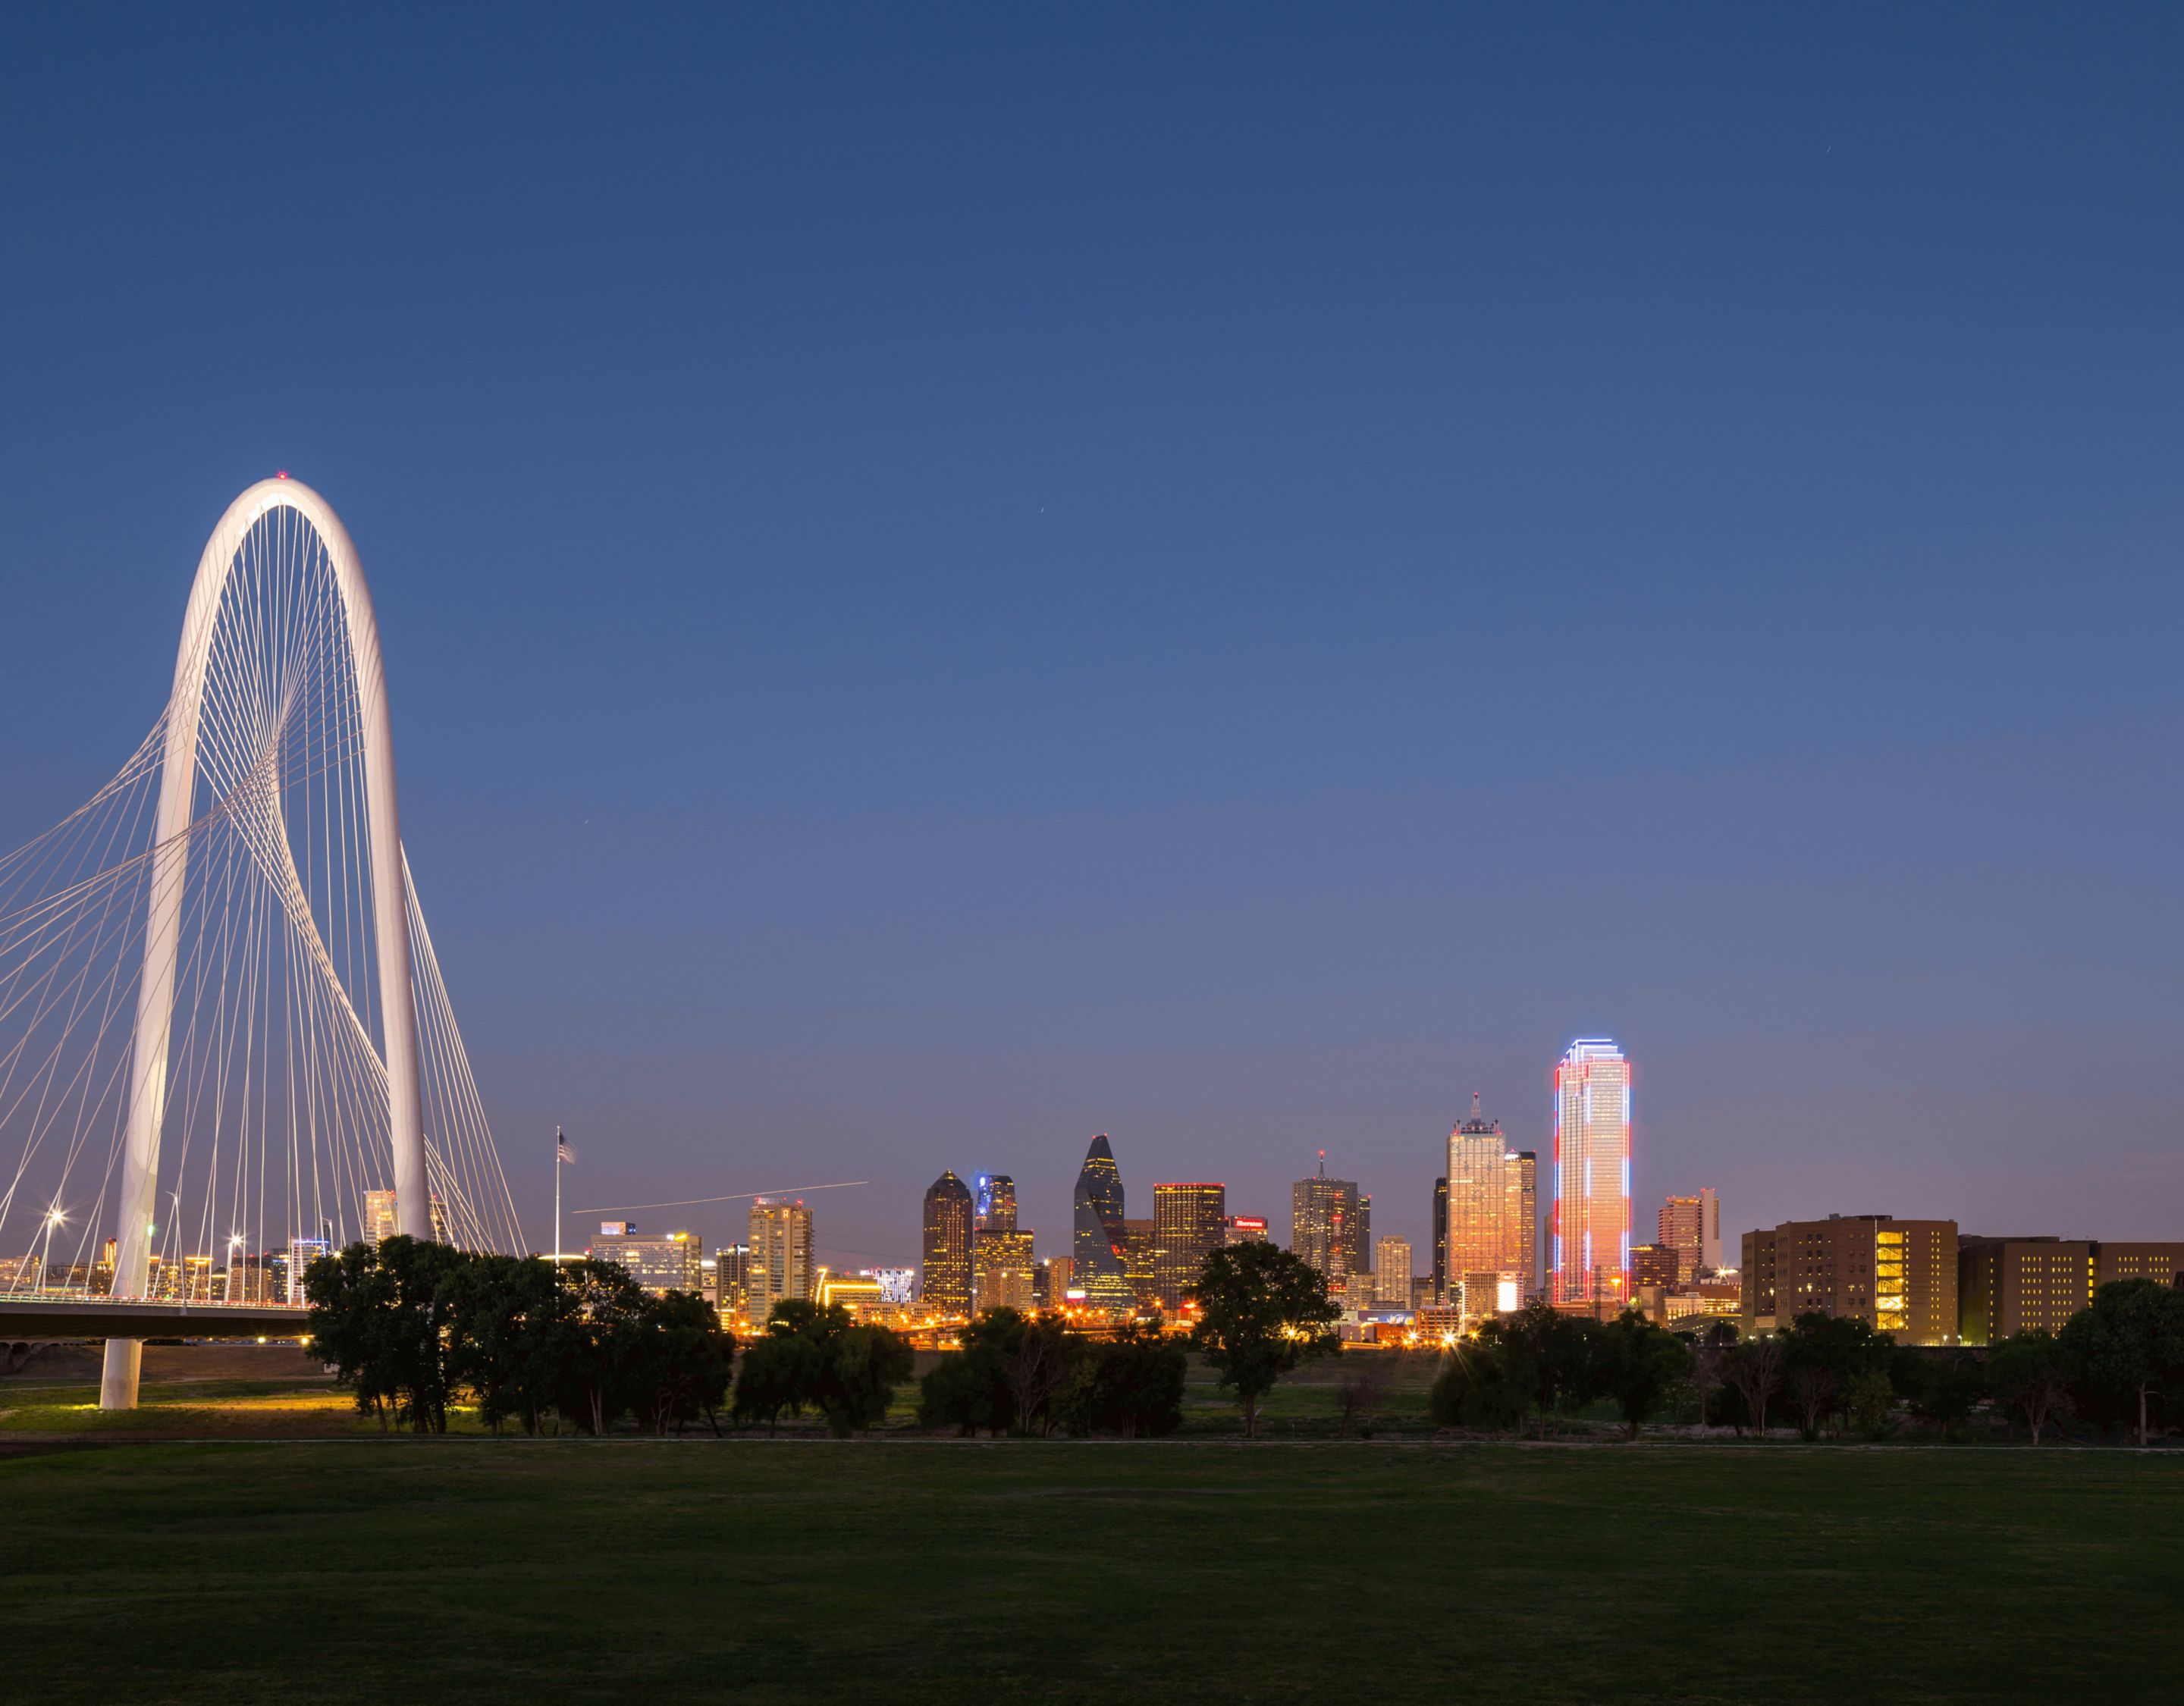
{"points": [[1592, 1174]]}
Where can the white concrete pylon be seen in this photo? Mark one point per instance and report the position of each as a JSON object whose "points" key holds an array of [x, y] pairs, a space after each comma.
{"points": [[155, 993]]}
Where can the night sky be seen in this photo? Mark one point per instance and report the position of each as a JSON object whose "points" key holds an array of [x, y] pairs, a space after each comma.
{"points": [[954, 579]]}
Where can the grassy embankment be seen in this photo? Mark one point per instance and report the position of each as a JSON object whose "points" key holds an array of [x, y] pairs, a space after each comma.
{"points": [[905, 1570]]}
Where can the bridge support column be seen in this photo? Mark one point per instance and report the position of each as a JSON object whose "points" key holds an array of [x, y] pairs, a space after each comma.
{"points": [[117, 1386]]}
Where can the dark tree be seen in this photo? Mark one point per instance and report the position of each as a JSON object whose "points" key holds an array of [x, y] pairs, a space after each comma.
{"points": [[2129, 1344], [1040, 1372], [1823, 1356], [498, 1309], [1483, 1383], [1361, 1390], [1641, 1364], [1559, 1355], [679, 1363], [779, 1371], [1261, 1311], [599, 1360], [1755, 1369], [377, 1316], [860, 1369], [2029, 1374], [1710, 1344], [970, 1388], [785, 1368], [1948, 1386], [1131, 1385]]}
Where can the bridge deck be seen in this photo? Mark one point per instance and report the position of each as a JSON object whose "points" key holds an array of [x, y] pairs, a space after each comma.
{"points": [[23, 1319]]}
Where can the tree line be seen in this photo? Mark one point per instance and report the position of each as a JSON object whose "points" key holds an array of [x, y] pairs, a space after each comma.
{"points": [[411, 1327], [1261, 1311], [2115, 1363]]}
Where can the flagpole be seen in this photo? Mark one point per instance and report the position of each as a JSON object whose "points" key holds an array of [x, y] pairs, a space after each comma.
{"points": [[557, 1199]]}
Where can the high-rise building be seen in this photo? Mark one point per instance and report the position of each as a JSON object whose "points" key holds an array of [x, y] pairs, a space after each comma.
{"points": [[732, 1280], [993, 1199], [1330, 1224], [1440, 1238], [1592, 1174], [2007, 1285], [1520, 1225], [1489, 1221], [1245, 1228], [1056, 1272], [949, 1216], [2161, 1262], [1478, 1193], [1100, 1266], [1656, 1264], [2011, 1285], [1391, 1273], [1002, 1272], [302, 1252], [1899, 1276], [667, 1263], [379, 1216], [1189, 1223], [779, 1267], [1140, 1261], [1691, 1227]]}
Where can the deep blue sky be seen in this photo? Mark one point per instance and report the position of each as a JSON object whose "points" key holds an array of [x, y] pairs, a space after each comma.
{"points": [[956, 579]]}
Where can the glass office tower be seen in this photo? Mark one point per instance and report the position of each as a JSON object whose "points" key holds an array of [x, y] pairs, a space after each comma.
{"points": [[1592, 1174]]}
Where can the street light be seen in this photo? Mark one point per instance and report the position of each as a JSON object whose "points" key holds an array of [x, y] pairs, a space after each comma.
{"points": [[54, 1216]]}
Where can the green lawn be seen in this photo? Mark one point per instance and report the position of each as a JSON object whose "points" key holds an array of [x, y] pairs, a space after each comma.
{"points": [[895, 1569]]}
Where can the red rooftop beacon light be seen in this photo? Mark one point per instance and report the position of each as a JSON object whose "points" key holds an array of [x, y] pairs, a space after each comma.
{"points": [[280, 473]]}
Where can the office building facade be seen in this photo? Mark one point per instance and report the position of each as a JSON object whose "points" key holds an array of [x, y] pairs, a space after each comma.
{"points": [[1440, 1238], [779, 1266], [993, 1202], [949, 1227], [667, 1261], [1002, 1272], [1099, 1277], [1331, 1225], [1592, 1111], [1391, 1273], [1190, 1222], [1898, 1276]]}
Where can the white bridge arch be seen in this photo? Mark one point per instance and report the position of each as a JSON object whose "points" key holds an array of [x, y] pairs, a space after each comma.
{"points": [[178, 776], [223, 1028]]}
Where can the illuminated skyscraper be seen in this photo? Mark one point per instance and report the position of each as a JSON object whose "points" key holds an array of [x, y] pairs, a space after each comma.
{"points": [[1478, 1195], [1691, 1227], [1391, 1273], [1440, 1238], [1099, 1266], [779, 1266], [948, 1230], [663, 1264], [994, 1201], [732, 1265], [1330, 1224], [1002, 1272], [1592, 1174], [1189, 1223], [1520, 1226]]}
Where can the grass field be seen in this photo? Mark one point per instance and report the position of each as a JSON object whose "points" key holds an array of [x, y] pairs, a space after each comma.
{"points": [[246, 1536], [902, 1570]]}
